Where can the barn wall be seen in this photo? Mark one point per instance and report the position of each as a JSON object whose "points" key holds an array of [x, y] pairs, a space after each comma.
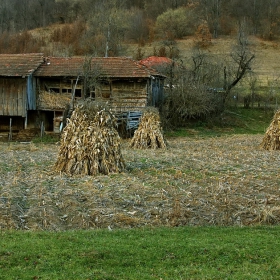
{"points": [[59, 85], [32, 119], [16, 122], [156, 92], [47, 117], [124, 95], [13, 97], [55, 94], [31, 93]]}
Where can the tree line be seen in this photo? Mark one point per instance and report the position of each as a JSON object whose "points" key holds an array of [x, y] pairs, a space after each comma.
{"points": [[100, 27]]}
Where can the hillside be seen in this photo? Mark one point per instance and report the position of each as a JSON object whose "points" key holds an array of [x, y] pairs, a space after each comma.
{"points": [[265, 67], [267, 55]]}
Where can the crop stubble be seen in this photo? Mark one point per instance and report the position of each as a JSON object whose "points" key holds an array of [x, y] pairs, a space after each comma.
{"points": [[228, 180]]}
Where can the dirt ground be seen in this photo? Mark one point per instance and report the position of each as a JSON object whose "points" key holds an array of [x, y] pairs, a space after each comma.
{"points": [[225, 180]]}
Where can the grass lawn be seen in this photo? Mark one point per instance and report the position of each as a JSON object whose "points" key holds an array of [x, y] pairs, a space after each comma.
{"points": [[150, 253], [233, 121]]}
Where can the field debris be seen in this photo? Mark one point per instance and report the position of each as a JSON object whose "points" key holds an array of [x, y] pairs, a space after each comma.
{"points": [[90, 143], [271, 140], [195, 182], [149, 133]]}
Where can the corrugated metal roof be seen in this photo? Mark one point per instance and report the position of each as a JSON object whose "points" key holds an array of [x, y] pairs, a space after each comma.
{"points": [[114, 67], [19, 65]]}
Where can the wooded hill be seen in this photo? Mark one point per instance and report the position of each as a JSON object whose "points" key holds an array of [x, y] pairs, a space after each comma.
{"points": [[103, 27], [201, 35]]}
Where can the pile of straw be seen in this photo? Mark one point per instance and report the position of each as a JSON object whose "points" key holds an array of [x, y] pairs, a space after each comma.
{"points": [[271, 140], [149, 133], [53, 100], [90, 143]]}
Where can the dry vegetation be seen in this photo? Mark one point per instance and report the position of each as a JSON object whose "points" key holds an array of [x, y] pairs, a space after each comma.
{"points": [[149, 133], [271, 140], [214, 181], [50, 100], [90, 143]]}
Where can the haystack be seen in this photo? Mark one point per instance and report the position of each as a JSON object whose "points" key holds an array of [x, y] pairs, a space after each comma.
{"points": [[271, 140], [149, 133], [90, 143]]}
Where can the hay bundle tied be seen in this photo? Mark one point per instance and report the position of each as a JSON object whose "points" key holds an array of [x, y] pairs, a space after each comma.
{"points": [[149, 133], [271, 140], [90, 143]]}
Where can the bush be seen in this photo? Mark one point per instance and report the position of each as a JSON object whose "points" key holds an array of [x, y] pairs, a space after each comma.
{"points": [[174, 24], [189, 101]]}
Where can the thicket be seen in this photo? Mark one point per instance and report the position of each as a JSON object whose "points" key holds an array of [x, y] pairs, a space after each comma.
{"points": [[203, 88]]}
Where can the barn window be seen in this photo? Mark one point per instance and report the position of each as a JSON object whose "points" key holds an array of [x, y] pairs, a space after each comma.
{"points": [[90, 92], [66, 90]]}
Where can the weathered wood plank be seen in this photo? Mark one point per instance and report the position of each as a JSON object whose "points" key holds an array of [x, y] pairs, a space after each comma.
{"points": [[12, 97], [2, 102]]}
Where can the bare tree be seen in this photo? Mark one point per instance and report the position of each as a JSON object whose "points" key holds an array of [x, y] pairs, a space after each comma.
{"points": [[90, 76], [241, 60], [188, 95], [7, 16], [108, 25], [202, 90], [138, 28], [216, 12]]}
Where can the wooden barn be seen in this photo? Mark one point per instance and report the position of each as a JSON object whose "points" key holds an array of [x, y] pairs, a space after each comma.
{"points": [[17, 89], [126, 85], [34, 91]]}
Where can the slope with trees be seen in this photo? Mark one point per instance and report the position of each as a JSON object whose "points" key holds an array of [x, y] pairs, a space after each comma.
{"points": [[111, 23]]}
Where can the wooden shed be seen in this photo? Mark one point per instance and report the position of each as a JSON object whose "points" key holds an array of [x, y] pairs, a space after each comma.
{"points": [[17, 89], [125, 84], [35, 90]]}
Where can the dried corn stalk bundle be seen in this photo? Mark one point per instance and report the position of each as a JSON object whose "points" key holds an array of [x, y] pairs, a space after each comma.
{"points": [[271, 140], [90, 144], [149, 132]]}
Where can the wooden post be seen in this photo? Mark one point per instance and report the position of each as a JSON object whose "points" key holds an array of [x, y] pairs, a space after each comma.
{"points": [[42, 129], [73, 94], [10, 132]]}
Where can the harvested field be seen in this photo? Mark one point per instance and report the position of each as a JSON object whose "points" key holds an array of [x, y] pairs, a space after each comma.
{"points": [[228, 180]]}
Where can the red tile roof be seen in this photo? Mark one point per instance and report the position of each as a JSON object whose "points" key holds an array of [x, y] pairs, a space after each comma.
{"points": [[156, 61], [117, 67], [14, 65]]}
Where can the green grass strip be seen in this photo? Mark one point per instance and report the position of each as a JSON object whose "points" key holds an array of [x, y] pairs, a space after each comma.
{"points": [[162, 253]]}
